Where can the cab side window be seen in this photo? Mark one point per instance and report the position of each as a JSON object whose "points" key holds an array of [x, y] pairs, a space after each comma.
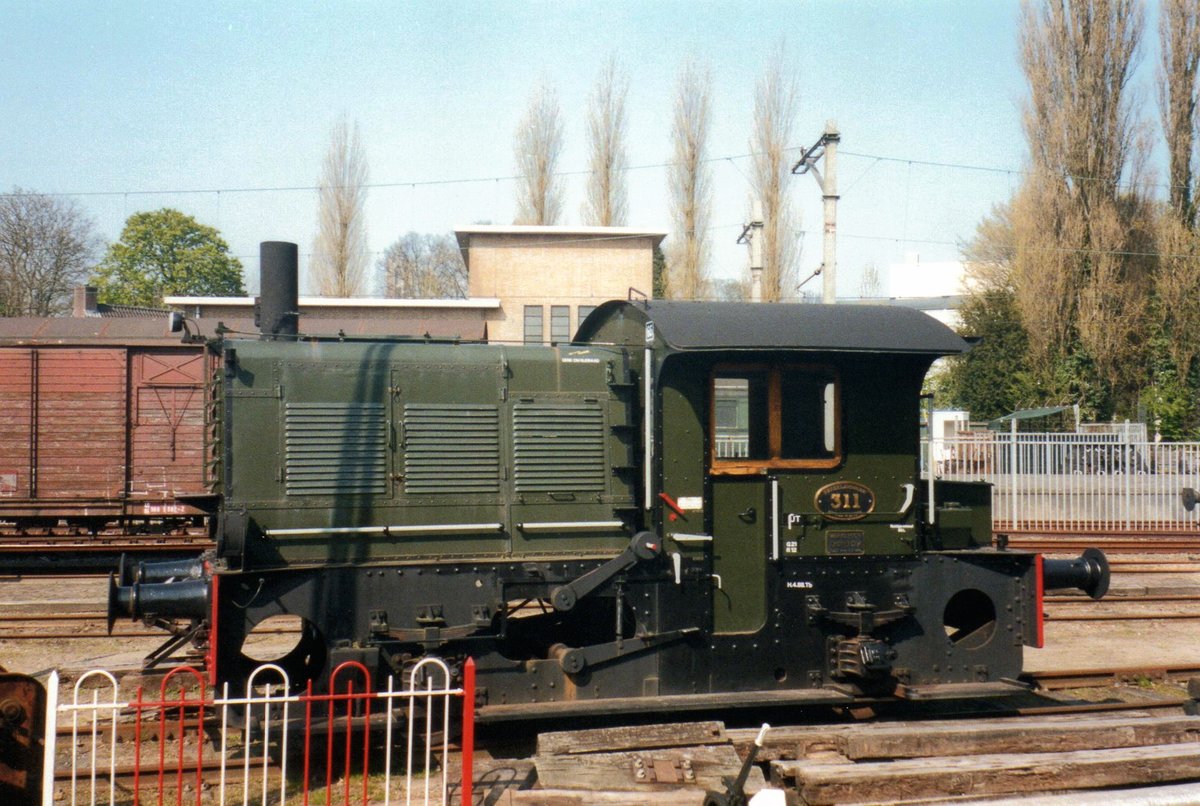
{"points": [[807, 416], [769, 417], [740, 402]]}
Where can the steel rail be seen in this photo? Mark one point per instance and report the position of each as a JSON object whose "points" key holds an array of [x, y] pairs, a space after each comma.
{"points": [[1089, 678]]}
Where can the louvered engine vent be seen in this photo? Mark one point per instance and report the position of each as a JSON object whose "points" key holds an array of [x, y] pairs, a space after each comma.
{"points": [[451, 449], [558, 447], [336, 448]]}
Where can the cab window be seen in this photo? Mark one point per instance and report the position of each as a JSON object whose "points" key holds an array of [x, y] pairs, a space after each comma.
{"points": [[768, 417]]}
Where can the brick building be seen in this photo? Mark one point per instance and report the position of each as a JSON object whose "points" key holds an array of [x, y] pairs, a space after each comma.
{"points": [[548, 279], [525, 284]]}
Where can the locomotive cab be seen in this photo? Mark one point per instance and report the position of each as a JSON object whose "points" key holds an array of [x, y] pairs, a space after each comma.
{"points": [[784, 477]]}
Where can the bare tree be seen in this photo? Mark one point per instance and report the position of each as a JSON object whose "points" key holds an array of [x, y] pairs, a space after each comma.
{"points": [[689, 183], [424, 266], [1078, 56], [537, 147], [775, 100], [47, 246], [606, 197], [1114, 302], [1177, 288], [731, 289], [871, 285], [340, 250], [988, 256], [1179, 100], [1074, 224]]}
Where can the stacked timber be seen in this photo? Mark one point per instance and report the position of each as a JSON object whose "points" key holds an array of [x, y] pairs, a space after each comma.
{"points": [[1130, 757], [982, 758], [643, 765]]}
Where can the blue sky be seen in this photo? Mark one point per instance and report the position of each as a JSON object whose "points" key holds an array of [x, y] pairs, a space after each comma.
{"points": [[112, 100]]}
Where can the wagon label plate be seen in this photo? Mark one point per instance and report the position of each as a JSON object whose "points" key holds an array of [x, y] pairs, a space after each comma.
{"points": [[845, 501]]}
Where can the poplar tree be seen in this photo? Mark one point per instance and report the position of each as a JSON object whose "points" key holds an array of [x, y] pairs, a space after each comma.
{"points": [[340, 249], [775, 101], [606, 203], [689, 185], [537, 147]]}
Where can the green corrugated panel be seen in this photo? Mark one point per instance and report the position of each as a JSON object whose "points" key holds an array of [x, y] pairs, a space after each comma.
{"points": [[558, 447], [451, 449], [336, 448]]}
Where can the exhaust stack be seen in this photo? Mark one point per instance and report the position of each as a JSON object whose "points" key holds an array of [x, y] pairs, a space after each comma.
{"points": [[278, 309]]}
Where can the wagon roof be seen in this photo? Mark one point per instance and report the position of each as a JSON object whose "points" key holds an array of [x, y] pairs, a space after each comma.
{"points": [[685, 326], [64, 330]]}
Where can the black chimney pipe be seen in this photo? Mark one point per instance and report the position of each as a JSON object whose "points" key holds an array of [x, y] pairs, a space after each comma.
{"points": [[279, 303]]}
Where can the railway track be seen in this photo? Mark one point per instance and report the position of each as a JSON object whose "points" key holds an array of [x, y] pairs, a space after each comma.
{"points": [[52, 553], [1060, 679], [75, 626], [66, 627], [1116, 544]]}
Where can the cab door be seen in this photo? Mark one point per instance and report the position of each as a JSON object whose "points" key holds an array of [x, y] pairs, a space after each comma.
{"points": [[773, 425]]}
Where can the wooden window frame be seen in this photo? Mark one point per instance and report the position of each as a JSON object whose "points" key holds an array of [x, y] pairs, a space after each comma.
{"points": [[748, 467]]}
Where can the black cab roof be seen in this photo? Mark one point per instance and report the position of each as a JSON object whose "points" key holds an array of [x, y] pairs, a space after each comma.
{"points": [[701, 326]]}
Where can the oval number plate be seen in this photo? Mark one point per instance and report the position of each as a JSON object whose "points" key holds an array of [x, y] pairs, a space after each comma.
{"points": [[845, 501]]}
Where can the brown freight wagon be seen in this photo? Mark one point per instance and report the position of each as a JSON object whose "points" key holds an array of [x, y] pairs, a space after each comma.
{"points": [[101, 426]]}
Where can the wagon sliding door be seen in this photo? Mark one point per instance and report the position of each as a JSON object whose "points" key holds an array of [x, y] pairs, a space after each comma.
{"points": [[80, 412]]}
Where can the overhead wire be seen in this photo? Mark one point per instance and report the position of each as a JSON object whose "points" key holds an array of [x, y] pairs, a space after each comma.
{"points": [[727, 158], [416, 183]]}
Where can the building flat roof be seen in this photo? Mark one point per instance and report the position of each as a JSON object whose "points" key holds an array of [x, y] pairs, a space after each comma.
{"points": [[464, 233], [345, 302]]}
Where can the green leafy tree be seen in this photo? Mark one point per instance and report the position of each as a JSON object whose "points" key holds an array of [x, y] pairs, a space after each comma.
{"points": [[1171, 404], [659, 270], [993, 378], [166, 252]]}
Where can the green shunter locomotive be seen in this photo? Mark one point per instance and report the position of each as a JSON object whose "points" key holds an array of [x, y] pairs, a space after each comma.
{"points": [[690, 505]]}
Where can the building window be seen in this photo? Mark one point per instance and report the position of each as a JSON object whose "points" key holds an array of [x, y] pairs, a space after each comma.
{"points": [[533, 324], [560, 324], [585, 311]]}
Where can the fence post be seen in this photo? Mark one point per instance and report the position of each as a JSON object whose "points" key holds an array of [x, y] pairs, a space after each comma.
{"points": [[48, 748], [468, 733], [1012, 474], [1128, 473]]}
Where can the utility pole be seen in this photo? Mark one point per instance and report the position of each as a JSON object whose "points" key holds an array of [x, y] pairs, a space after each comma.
{"points": [[752, 234], [826, 146]]}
